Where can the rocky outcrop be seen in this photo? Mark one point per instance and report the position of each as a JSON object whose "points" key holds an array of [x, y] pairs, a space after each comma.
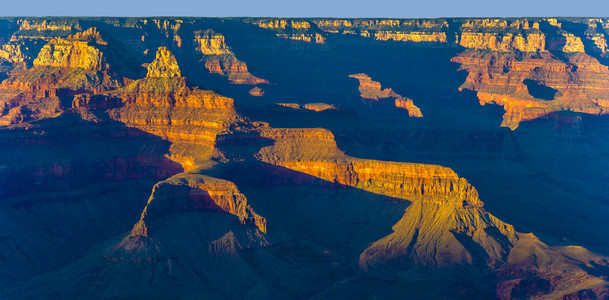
{"points": [[44, 30], [193, 192], [162, 104], [81, 50], [445, 226], [566, 42], [43, 25], [14, 52], [235, 70], [63, 68], [532, 42], [414, 36], [256, 92], [164, 66], [370, 89], [310, 38], [442, 235], [536, 85], [283, 24], [211, 43], [296, 30], [219, 59], [314, 152]]}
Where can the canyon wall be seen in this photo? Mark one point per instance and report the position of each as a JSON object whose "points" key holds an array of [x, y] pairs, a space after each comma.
{"points": [[89, 107]]}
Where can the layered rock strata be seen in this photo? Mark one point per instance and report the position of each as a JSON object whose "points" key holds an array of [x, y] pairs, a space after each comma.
{"points": [[162, 104], [444, 227], [219, 59], [193, 192], [62, 69], [296, 30], [370, 89], [536, 86]]}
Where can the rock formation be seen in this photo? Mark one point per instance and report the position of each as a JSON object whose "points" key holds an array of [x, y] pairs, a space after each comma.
{"points": [[444, 227], [531, 87], [162, 104], [219, 59], [300, 31], [192, 192], [258, 194], [164, 66], [370, 89], [314, 152], [81, 50], [63, 68]]}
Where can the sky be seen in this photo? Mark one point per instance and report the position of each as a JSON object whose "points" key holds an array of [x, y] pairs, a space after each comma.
{"points": [[307, 8]]}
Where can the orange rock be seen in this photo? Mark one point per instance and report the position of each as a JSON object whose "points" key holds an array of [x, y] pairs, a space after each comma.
{"points": [[579, 85], [219, 59], [370, 89], [193, 192], [80, 50], [314, 152]]}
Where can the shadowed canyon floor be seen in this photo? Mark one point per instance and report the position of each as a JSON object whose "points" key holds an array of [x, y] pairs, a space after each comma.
{"points": [[261, 158]]}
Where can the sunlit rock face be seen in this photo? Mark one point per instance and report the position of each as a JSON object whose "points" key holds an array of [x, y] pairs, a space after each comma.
{"points": [[219, 59], [64, 67], [164, 105], [145, 158], [294, 30], [76, 51], [370, 89], [164, 66], [536, 85], [196, 192]]}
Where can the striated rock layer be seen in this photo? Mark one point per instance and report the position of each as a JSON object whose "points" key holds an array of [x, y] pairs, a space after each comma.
{"points": [[192, 192], [370, 89], [219, 59], [63, 68], [445, 226], [535, 86], [162, 104]]}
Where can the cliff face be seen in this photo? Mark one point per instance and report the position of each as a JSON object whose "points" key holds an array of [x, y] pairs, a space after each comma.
{"points": [[533, 42], [162, 104], [535, 86], [219, 59], [192, 192], [164, 66], [81, 50], [445, 207], [63, 68], [370, 89], [444, 227], [300, 31], [82, 146], [314, 152]]}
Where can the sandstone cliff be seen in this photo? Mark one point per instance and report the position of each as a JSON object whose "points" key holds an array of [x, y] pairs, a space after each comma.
{"points": [[445, 208], [162, 104], [370, 89], [445, 226], [192, 192], [81, 50], [219, 59], [296, 30], [164, 66], [536, 86], [63, 68]]}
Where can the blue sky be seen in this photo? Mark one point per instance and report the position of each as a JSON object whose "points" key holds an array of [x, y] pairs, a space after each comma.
{"points": [[306, 8]]}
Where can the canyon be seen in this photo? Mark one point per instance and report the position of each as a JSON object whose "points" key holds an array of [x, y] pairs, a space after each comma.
{"points": [[366, 158]]}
